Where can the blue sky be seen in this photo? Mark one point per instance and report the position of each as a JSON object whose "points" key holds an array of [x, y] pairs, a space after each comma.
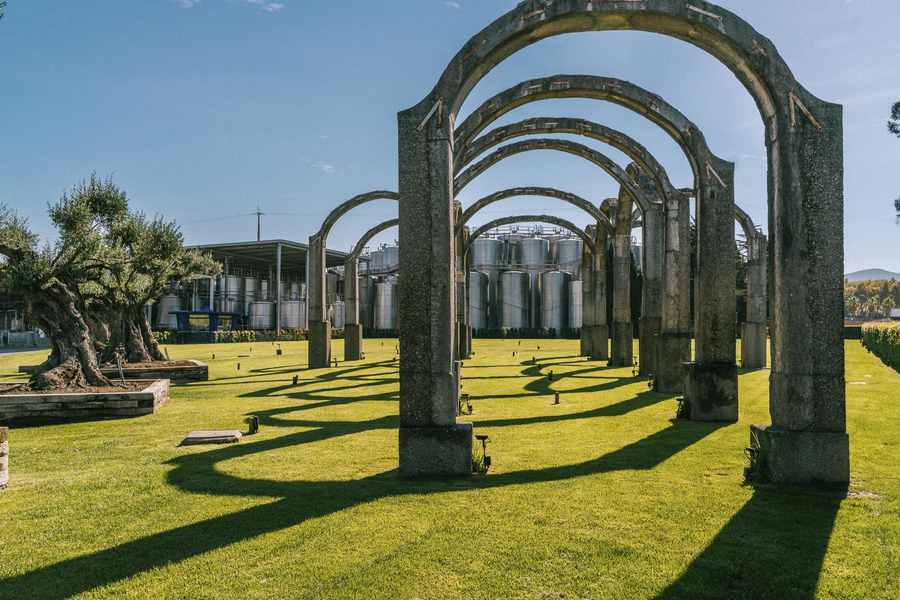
{"points": [[201, 109]]}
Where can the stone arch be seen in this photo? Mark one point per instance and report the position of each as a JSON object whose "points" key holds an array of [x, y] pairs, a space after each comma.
{"points": [[805, 140], [544, 125], [574, 148], [353, 330], [572, 199], [559, 222], [319, 327]]}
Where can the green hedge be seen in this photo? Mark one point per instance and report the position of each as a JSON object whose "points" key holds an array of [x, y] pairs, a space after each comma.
{"points": [[883, 340]]}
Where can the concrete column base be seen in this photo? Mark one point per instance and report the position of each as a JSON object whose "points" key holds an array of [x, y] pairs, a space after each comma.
{"points": [[650, 329], [673, 350], [754, 346], [436, 451], [468, 354], [622, 345], [598, 342], [462, 340], [319, 345], [711, 390], [585, 341], [802, 457], [353, 342]]}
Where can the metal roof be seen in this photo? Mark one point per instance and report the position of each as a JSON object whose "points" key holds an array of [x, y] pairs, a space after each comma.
{"points": [[292, 253]]}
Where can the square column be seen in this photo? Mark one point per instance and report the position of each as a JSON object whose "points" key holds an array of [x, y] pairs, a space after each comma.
{"points": [[353, 331], [674, 346], [319, 327], [711, 382], [755, 332], [651, 294], [622, 328], [432, 443], [598, 331]]}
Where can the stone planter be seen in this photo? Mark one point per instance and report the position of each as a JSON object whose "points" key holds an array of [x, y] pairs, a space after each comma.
{"points": [[61, 407]]}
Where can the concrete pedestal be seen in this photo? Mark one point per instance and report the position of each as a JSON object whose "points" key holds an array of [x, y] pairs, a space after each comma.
{"points": [[319, 345], [712, 391], [598, 342], [585, 341], [802, 457], [754, 343], [436, 451], [468, 341], [462, 340], [622, 344], [353, 342], [673, 350], [650, 328]]}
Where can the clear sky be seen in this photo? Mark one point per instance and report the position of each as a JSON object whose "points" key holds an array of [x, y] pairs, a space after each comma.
{"points": [[201, 109]]}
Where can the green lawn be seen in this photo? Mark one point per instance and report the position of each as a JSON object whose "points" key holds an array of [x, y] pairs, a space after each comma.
{"points": [[602, 496]]}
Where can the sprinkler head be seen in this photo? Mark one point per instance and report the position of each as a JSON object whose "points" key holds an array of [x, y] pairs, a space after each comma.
{"points": [[556, 400]]}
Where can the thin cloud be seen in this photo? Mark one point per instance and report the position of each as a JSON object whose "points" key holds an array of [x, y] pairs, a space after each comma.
{"points": [[326, 168], [263, 5], [452, 4]]}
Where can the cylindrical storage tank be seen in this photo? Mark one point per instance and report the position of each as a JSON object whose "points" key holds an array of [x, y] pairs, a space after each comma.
{"points": [[554, 303], [340, 315], [478, 299], [251, 293], [293, 314], [331, 287], [366, 301], [261, 316], [164, 317], [568, 255], [376, 262], [386, 305], [576, 304], [485, 252], [534, 254], [391, 258], [515, 292], [230, 298]]}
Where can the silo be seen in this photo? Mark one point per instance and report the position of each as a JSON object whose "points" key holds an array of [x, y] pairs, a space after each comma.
{"points": [[534, 256], [293, 314], [230, 299], [554, 303], [568, 255], [515, 292], [261, 316], [251, 293], [386, 304], [164, 318], [391, 258], [478, 299], [576, 304]]}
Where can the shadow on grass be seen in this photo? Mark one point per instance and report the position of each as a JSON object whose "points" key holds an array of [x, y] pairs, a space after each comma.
{"points": [[297, 501]]}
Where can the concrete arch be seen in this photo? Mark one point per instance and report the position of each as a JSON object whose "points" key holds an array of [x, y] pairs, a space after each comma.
{"points": [[543, 125], [367, 237], [805, 140], [511, 220], [598, 158], [535, 191], [335, 215]]}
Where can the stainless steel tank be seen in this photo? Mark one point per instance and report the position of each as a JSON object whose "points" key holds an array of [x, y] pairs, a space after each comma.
{"points": [[515, 293], [391, 258], [293, 314], [331, 287], [164, 318], [366, 301], [554, 301], [386, 304], [230, 294], [485, 252], [478, 299], [576, 304], [568, 255], [261, 316], [340, 315], [376, 264], [251, 293], [534, 256]]}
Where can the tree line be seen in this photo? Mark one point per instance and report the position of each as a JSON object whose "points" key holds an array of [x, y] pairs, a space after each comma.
{"points": [[871, 299], [88, 289]]}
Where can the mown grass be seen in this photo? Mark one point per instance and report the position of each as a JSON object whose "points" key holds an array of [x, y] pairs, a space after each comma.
{"points": [[602, 496]]}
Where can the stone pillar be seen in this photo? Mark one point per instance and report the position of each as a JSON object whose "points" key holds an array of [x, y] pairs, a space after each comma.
{"points": [[674, 346], [462, 300], [432, 443], [319, 326], [754, 333], [622, 328], [4, 457], [711, 381], [808, 438], [353, 330], [587, 294], [654, 257]]}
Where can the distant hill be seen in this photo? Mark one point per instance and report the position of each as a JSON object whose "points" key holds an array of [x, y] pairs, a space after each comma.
{"points": [[871, 274]]}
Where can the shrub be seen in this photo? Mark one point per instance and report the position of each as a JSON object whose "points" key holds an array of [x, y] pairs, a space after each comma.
{"points": [[883, 340]]}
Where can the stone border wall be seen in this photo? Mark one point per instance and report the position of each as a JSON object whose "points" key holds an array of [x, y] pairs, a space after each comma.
{"points": [[35, 407], [199, 371]]}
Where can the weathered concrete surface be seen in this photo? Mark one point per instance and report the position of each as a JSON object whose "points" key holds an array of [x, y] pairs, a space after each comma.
{"points": [[319, 347], [754, 333], [674, 350], [622, 329], [353, 342], [595, 328], [436, 451], [654, 258], [711, 384], [803, 457], [544, 192]]}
